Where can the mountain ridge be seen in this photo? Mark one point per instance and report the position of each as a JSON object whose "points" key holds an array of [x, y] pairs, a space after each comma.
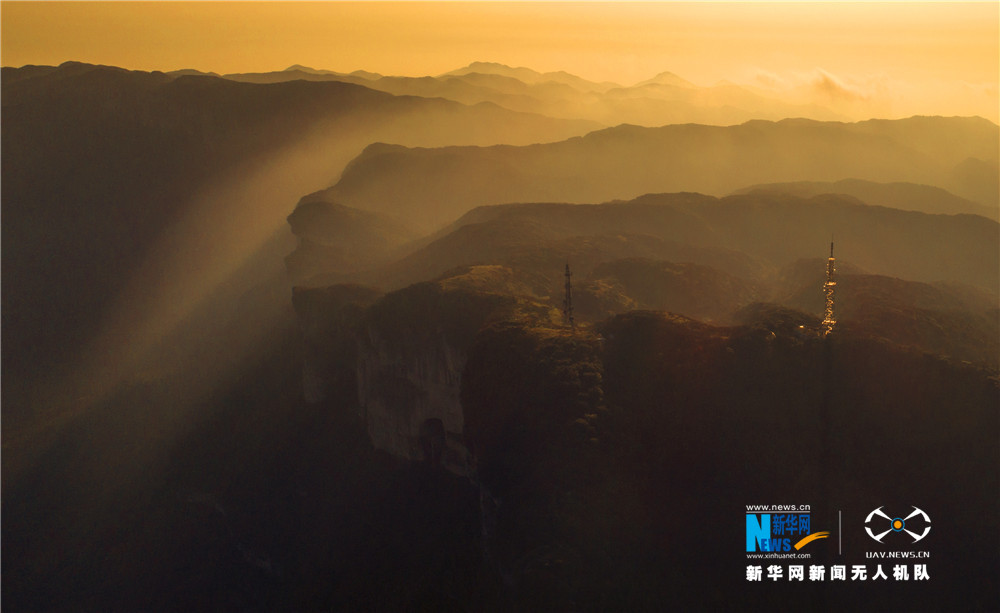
{"points": [[905, 196], [133, 152], [627, 160], [752, 237], [664, 99]]}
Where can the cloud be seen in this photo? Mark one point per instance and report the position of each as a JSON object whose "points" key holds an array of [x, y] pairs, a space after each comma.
{"points": [[864, 95], [769, 80], [829, 86]]}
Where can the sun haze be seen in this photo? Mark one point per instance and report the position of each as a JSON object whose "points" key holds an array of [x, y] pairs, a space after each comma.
{"points": [[895, 59]]}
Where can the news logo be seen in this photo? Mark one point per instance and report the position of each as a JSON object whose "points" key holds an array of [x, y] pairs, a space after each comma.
{"points": [[780, 532], [916, 521]]}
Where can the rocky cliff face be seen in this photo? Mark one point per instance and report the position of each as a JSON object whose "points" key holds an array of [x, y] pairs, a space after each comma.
{"points": [[409, 396], [398, 360]]}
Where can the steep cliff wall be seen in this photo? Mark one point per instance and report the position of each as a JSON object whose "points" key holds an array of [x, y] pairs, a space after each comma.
{"points": [[412, 349], [398, 360], [409, 395]]}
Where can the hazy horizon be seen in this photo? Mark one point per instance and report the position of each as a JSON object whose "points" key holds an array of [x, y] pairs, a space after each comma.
{"points": [[480, 339], [880, 59]]}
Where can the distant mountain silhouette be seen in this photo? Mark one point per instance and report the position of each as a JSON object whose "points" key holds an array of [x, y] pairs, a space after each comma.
{"points": [[664, 99], [301, 68], [977, 178], [530, 76], [905, 196], [291, 73], [627, 161], [190, 72], [667, 78]]}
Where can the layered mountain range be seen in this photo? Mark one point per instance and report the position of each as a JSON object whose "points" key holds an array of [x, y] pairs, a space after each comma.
{"points": [[955, 154], [707, 258], [418, 424], [662, 99], [106, 170]]}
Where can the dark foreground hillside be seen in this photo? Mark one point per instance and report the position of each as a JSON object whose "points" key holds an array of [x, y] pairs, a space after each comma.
{"points": [[630, 499], [611, 470]]}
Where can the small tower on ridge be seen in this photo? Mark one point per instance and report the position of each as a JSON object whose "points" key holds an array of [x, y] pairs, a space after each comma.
{"points": [[568, 300]]}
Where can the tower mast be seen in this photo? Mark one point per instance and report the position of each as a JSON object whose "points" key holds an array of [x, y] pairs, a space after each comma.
{"points": [[568, 300], [828, 287]]}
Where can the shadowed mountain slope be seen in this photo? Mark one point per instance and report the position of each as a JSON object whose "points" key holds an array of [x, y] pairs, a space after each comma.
{"points": [[105, 170], [941, 318], [749, 236], [925, 281], [337, 239]]}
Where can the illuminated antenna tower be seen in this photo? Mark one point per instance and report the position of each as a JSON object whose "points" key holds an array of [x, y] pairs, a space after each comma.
{"points": [[568, 300], [828, 320]]}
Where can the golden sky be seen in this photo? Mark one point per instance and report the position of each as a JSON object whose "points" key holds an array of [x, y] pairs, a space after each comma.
{"points": [[933, 57]]}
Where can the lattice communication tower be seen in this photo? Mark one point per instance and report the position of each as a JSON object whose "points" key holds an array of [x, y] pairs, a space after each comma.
{"points": [[828, 319]]}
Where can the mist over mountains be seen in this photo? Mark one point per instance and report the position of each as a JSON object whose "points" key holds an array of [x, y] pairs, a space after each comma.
{"points": [[662, 99], [905, 196], [628, 161], [101, 163], [296, 340]]}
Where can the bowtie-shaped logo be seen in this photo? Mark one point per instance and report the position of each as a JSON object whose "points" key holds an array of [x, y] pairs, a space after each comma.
{"points": [[918, 520]]}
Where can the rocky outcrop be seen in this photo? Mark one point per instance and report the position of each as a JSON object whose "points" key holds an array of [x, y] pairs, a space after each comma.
{"points": [[335, 240], [398, 360], [412, 350], [409, 396]]}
